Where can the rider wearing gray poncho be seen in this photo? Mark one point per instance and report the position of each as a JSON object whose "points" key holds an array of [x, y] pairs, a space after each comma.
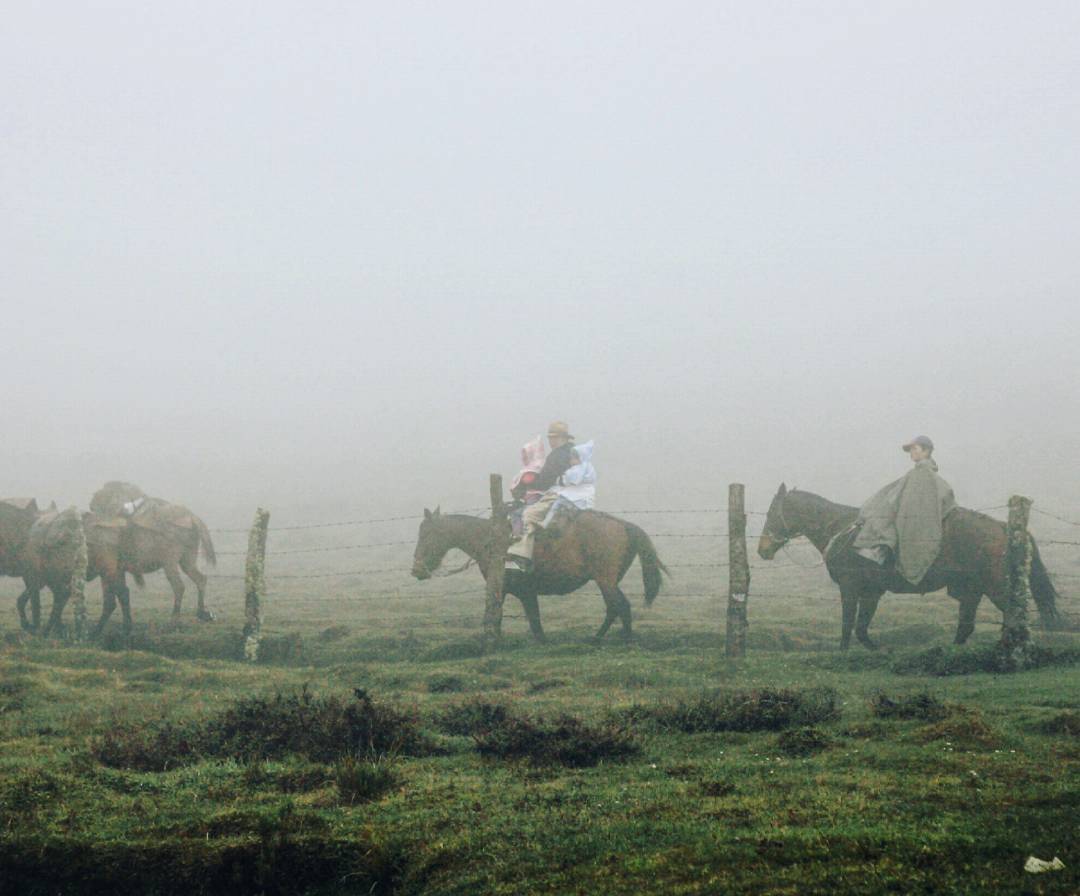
{"points": [[907, 517]]}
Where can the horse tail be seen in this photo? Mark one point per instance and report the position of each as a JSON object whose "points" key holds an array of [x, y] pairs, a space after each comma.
{"points": [[651, 565], [206, 541], [1043, 590]]}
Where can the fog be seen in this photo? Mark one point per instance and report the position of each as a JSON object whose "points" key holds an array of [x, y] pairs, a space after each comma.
{"points": [[346, 258]]}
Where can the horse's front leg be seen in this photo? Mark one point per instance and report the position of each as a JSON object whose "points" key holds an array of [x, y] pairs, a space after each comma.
{"points": [[849, 605], [531, 606], [965, 625], [867, 608], [30, 596]]}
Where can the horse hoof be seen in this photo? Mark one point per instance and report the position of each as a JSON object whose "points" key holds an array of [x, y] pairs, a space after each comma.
{"points": [[205, 616]]}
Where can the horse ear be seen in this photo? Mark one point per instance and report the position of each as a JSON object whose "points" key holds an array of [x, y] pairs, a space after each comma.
{"points": [[783, 489], [438, 512], [427, 514]]}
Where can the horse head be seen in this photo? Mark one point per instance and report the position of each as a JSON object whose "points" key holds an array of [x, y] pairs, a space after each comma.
{"points": [[777, 531], [432, 545]]}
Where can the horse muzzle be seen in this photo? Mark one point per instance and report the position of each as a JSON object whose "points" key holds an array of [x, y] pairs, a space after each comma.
{"points": [[421, 573], [768, 546]]}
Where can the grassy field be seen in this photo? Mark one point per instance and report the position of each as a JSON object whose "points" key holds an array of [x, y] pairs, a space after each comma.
{"points": [[947, 787]]}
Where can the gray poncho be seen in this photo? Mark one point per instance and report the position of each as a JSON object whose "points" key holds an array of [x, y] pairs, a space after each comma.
{"points": [[907, 516]]}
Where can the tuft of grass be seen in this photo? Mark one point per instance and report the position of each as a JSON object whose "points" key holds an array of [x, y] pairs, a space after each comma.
{"points": [[965, 728], [471, 717], [1067, 723], [944, 661], [802, 741], [562, 740], [765, 709], [333, 633], [13, 694], [446, 684], [322, 729], [922, 705], [364, 779]]}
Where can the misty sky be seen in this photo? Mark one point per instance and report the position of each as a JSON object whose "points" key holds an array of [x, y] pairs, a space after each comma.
{"points": [[347, 255]]}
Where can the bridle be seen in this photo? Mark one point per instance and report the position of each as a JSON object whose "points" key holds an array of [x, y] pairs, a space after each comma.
{"points": [[781, 538]]}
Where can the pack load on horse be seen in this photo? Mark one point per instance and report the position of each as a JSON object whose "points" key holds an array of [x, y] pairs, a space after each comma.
{"points": [[964, 551], [903, 523], [552, 482], [46, 549], [129, 531]]}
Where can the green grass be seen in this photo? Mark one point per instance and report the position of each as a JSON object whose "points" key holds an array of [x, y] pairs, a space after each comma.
{"points": [[852, 801]]}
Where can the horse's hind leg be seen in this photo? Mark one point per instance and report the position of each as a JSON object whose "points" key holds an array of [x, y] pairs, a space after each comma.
{"points": [[623, 606], [172, 573], [60, 599], [33, 597], [192, 571], [867, 608], [531, 606], [611, 602], [108, 604], [123, 593]]}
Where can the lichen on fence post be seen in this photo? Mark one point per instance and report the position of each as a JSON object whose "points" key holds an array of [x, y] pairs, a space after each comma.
{"points": [[738, 573], [255, 584], [1015, 635], [77, 593]]}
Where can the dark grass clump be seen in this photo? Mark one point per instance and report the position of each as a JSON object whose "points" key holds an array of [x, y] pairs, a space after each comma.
{"points": [[322, 729], [546, 684], [364, 779], [767, 709], [446, 684], [471, 717], [922, 705], [942, 661], [1066, 723], [800, 742], [13, 694], [333, 633], [562, 740], [963, 728]]}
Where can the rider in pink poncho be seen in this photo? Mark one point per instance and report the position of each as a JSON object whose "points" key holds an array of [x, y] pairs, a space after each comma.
{"points": [[532, 462]]}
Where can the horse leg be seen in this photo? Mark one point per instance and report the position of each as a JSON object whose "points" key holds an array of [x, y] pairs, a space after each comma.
{"points": [[172, 573], [192, 571], [531, 606], [623, 606], [611, 603], [966, 624], [124, 595], [867, 608], [30, 596], [60, 599], [849, 604], [108, 604]]}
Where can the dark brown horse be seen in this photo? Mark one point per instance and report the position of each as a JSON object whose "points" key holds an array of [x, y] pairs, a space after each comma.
{"points": [[45, 549], [971, 563], [591, 547]]}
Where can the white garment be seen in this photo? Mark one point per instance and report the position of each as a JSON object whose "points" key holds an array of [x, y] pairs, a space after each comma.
{"points": [[578, 484]]}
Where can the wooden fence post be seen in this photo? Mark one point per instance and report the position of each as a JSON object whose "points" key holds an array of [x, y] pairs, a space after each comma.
{"points": [[255, 584], [499, 541], [738, 572], [1015, 635], [78, 582]]}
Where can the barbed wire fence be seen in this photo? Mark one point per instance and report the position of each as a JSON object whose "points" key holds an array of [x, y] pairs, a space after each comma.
{"points": [[712, 541]]}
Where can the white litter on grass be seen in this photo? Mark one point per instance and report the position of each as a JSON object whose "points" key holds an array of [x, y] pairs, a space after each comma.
{"points": [[1038, 866]]}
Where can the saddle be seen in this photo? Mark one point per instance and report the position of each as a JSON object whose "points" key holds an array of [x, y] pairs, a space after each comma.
{"points": [[558, 520]]}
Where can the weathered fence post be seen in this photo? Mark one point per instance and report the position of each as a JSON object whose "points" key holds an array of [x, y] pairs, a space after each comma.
{"points": [[738, 572], [78, 582], [499, 541], [255, 584], [1015, 635]]}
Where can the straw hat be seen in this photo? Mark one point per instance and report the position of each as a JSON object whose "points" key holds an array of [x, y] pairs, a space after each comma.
{"points": [[559, 429]]}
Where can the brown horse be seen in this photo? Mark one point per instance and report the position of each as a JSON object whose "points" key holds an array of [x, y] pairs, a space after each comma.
{"points": [[971, 563], [170, 541], [44, 549], [592, 546]]}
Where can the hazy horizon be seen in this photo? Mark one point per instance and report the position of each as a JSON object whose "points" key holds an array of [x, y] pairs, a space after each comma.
{"points": [[349, 258]]}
